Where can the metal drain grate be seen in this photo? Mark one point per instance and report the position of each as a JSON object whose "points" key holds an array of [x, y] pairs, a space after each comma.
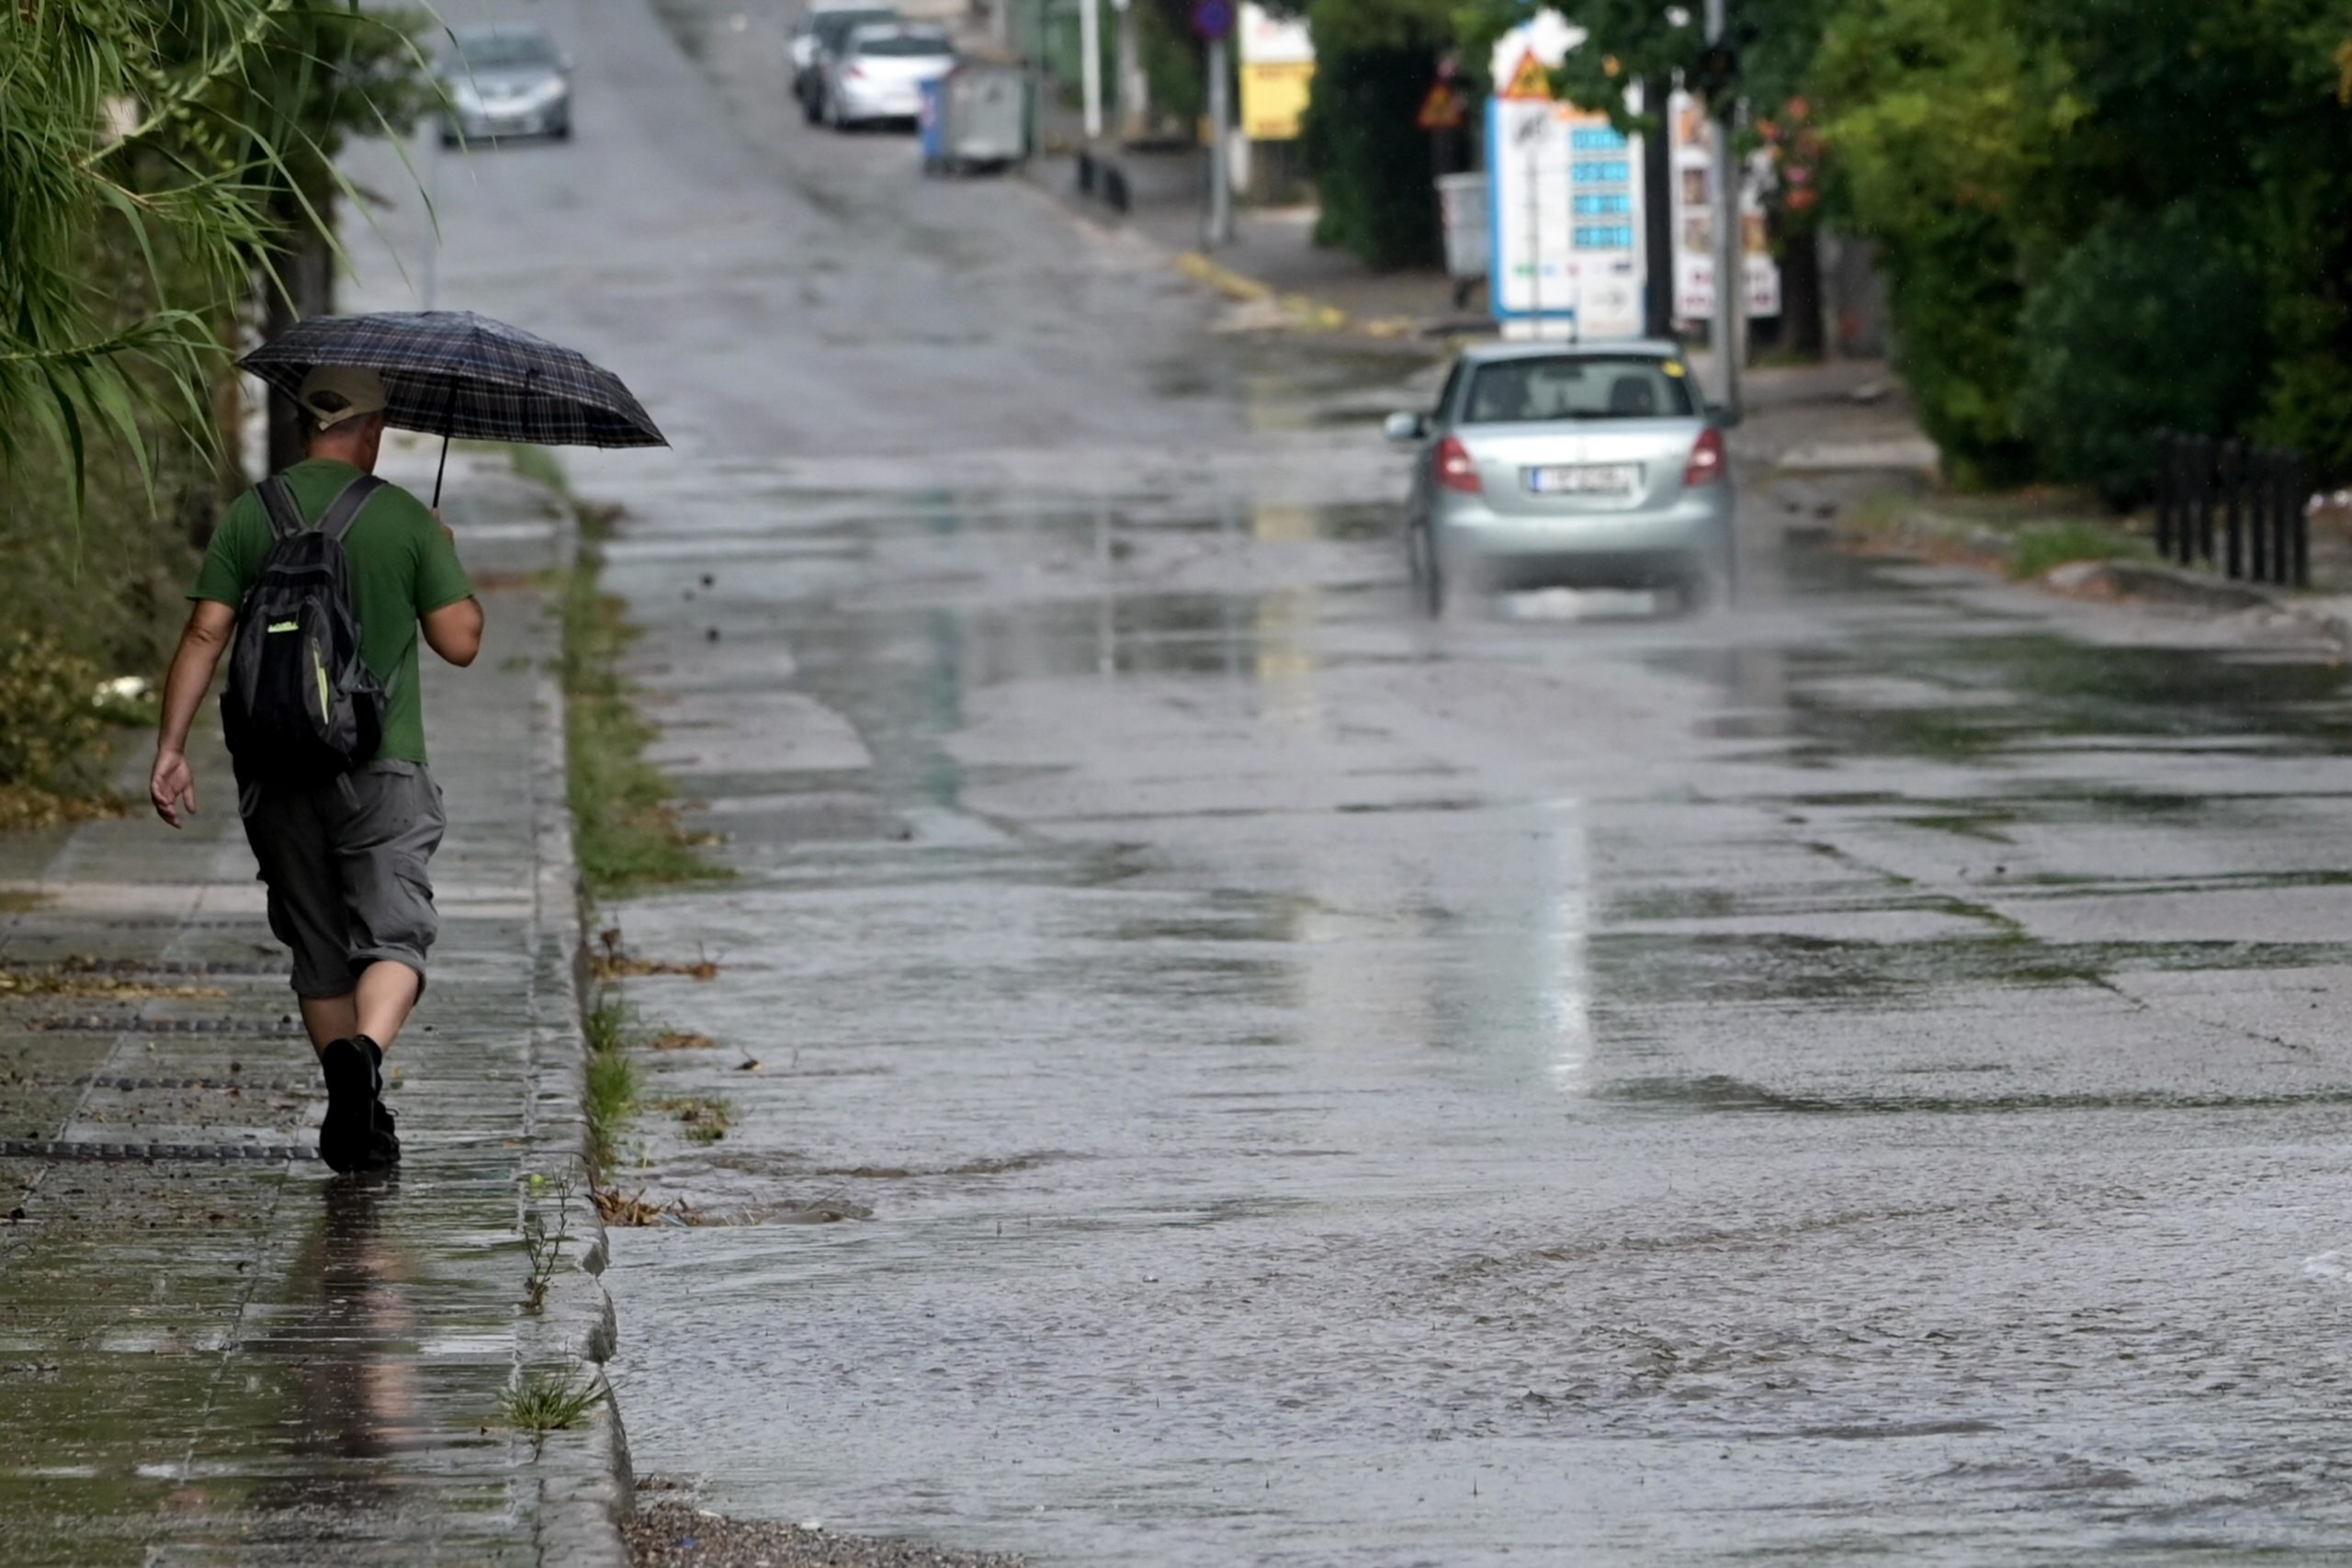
{"points": [[60, 1148], [98, 1023]]}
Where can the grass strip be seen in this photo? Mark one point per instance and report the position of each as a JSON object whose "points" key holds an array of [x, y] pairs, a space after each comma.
{"points": [[2039, 546], [627, 837]]}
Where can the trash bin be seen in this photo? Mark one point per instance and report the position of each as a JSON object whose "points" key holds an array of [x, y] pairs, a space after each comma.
{"points": [[1462, 209], [930, 123], [976, 117]]}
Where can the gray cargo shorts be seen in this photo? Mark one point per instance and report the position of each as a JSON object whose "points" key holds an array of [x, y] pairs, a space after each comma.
{"points": [[345, 867]]}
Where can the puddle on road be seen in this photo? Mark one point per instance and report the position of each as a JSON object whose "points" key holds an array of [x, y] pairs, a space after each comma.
{"points": [[1328, 954]]}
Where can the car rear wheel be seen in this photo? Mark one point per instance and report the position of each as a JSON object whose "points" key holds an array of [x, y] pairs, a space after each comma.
{"points": [[1427, 568]]}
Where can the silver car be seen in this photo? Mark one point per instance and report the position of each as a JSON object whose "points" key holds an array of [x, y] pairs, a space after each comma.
{"points": [[879, 74], [821, 34], [1568, 465], [505, 81]]}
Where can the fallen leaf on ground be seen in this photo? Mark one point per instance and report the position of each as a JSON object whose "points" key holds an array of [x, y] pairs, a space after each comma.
{"points": [[618, 966]]}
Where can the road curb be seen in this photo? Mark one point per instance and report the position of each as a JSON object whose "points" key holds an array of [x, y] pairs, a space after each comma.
{"points": [[2165, 584], [2121, 578], [585, 1482]]}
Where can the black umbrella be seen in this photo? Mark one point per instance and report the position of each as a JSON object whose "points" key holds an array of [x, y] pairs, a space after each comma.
{"points": [[455, 373]]}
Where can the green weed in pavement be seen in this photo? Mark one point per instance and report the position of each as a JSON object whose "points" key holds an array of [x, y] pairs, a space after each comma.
{"points": [[704, 1116], [551, 1402], [612, 1078]]}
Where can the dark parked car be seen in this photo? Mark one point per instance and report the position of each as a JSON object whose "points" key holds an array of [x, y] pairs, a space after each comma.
{"points": [[505, 81]]}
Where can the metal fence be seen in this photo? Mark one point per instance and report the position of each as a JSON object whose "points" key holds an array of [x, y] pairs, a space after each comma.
{"points": [[2234, 506]]}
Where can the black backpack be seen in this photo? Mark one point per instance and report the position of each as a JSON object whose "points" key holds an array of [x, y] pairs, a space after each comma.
{"points": [[302, 708]]}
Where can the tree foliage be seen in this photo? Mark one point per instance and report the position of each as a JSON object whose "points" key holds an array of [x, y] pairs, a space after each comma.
{"points": [[1372, 165], [171, 126]]}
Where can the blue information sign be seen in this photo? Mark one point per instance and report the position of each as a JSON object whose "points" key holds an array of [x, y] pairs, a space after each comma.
{"points": [[1213, 19]]}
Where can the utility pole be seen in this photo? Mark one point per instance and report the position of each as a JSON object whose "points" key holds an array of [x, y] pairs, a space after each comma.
{"points": [[1089, 68], [1220, 226], [1731, 277], [1657, 207]]}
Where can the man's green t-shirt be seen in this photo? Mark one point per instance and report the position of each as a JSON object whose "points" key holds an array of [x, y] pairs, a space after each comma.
{"points": [[403, 567]]}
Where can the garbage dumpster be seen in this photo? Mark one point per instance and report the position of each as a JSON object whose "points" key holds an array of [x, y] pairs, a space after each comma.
{"points": [[1461, 205], [976, 117]]}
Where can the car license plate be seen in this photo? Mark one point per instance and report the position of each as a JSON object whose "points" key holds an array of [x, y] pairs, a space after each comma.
{"points": [[1585, 479]]}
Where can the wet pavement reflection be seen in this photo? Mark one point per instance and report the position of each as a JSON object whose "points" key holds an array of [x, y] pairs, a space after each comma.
{"points": [[1220, 1069], [1848, 1075]]}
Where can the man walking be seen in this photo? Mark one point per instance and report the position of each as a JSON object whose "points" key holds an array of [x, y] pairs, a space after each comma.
{"points": [[342, 831]]}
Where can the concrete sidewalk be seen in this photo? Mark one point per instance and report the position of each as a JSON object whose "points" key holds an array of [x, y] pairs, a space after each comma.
{"points": [[212, 1352], [1272, 261]]}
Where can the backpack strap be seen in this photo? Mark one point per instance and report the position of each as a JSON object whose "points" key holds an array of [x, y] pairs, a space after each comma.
{"points": [[277, 505], [343, 510]]}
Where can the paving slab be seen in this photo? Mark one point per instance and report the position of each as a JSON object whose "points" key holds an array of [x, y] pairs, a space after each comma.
{"points": [[212, 1350]]}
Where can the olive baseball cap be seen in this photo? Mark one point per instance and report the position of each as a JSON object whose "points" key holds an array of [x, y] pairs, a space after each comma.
{"points": [[332, 393]]}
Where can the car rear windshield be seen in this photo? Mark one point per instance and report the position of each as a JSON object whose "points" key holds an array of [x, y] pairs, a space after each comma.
{"points": [[835, 26], [1578, 386], [503, 52], [902, 44]]}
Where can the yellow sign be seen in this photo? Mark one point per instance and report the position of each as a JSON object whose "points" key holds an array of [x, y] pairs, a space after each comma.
{"points": [[1530, 80], [1444, 109], [1273, 97]]}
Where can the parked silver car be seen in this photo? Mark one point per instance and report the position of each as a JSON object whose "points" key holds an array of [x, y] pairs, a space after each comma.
{"points": [[1568, 465], [505, 81], [878, 72]]}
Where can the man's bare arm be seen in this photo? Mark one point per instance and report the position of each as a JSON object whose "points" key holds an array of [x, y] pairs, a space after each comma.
{"points": [[454, 631], [171, 784]]}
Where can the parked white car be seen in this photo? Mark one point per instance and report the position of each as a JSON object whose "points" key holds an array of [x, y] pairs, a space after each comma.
{"points": [[880, 71]]}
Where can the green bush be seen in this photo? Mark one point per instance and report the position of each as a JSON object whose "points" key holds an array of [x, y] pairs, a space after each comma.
{"points": [[2153, 322], [1953, 298], [49, 717]]}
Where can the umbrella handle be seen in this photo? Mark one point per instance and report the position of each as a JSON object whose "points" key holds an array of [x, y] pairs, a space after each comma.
{"points": [[439, 472]]}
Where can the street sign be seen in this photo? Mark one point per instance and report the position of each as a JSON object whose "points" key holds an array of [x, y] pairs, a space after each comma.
{"points": [[1213, 19], [1693, 161], [1530, 82], [1277, 74], [1567, 213], [1444, 109]]}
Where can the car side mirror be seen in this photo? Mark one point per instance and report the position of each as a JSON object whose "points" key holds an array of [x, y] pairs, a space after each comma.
{"points": [[1404, 427], [1725, 416]]}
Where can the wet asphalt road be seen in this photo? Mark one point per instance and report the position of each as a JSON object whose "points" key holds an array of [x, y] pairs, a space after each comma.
{"points": [[1857, 1076]]}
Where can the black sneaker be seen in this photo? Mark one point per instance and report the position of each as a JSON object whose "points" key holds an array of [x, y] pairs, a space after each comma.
{"points": [[358, 1133]]}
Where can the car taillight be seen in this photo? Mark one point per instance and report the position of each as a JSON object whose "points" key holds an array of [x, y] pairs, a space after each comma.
{"points": [[1455, 468], [1706, 464]]}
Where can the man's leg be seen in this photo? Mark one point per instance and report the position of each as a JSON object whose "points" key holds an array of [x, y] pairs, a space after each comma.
{"points": [[387, 991], [309, 910], [330, 1018]]}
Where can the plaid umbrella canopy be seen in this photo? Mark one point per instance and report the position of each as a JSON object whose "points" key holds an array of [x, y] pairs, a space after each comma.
{"points": [[456, 373]]}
